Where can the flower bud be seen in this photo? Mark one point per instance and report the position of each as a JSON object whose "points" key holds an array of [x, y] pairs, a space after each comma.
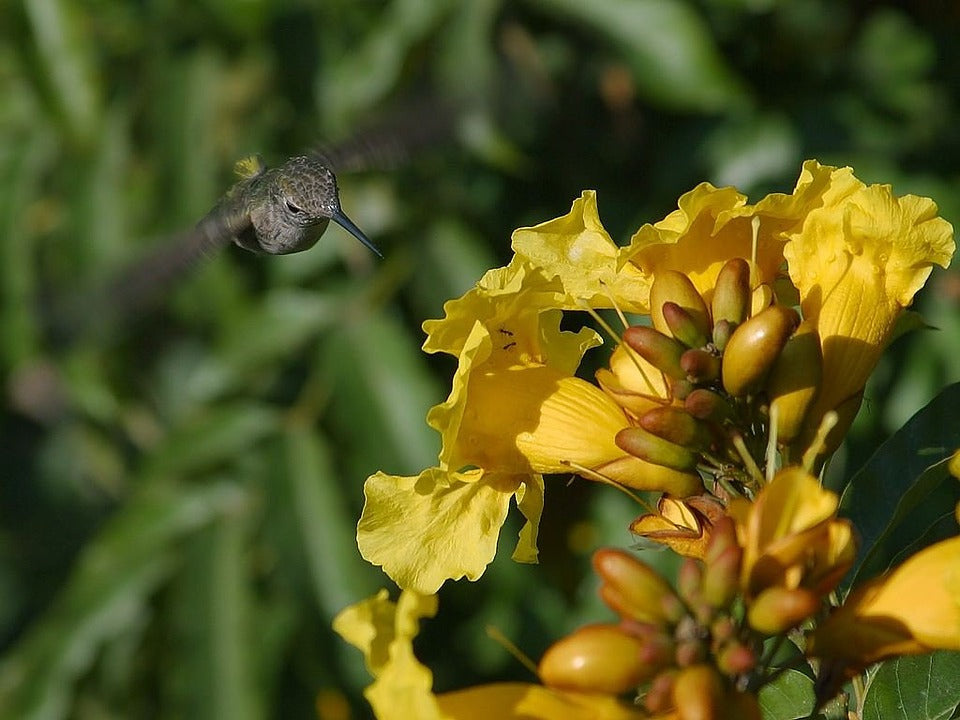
{"points": [[721, 334], [735, 658], [795, 379], [763, 297], [634, 590], [705, 404], [659, 350], [683, 326], [647, 446], [688, 581], [731, 294], [778, 609], [721, 577], [753, 349], [659, 698], [677, 426], [597, 659], [700, 366], [699, 693], [675, 287]]}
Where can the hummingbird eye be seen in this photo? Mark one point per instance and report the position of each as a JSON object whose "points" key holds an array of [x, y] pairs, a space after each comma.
{"points": [[296, 210]]}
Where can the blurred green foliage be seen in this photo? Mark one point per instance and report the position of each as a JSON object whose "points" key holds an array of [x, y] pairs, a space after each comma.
{"points": [[178, 497]]}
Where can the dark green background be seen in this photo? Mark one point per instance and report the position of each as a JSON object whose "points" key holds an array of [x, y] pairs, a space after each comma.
{"points": [[178, 496]]}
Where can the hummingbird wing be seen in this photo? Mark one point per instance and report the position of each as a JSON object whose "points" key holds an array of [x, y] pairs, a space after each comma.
{"points": [[139, 284]]}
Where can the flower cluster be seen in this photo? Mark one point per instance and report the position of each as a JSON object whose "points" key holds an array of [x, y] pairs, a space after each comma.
{"points": [[748, 332]]}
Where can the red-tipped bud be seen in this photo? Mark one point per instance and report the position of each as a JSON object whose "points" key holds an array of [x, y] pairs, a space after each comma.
{"points": [[707, 405], [659, 698], [754, 347], [778, 609], [700, 366], [683, 326], [721, 578], [731, 294], [736, 658], [677, 426], [596, 659], [659, 350], [675, 287], [634, 590], [688, 581], [647, 446]]}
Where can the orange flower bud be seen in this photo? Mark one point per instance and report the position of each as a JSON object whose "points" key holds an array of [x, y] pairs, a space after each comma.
{"points": [[647, 446], [673, 286], [778, 609], [659, 350], [736, 658], [721, 334], [683, 326], [699, 693], [677, 426], [596, 659], [753, 349], [700, 365], [634, 590], [731, 295]]}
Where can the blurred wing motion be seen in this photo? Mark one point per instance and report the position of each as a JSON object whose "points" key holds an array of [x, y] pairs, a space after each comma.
{"points": [[138, 285]]}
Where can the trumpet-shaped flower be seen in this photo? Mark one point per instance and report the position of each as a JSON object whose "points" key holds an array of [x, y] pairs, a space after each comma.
{"points": [[384, 631], [791, 537], [858, 260]]}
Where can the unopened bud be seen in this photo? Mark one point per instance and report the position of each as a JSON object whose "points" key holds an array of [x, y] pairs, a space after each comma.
{"points": [[647, 446], [677, 426], [763, 296], [735, 658], [731, 295], [795, 379], [700, 366], [661, 351], [597, 659], [698, 693], [634, 590], [688, 581], [721, 577], [754, 347], [778, 609], [707, 405], [683, 326], [721, 334], [659, 698], [675, 287]]}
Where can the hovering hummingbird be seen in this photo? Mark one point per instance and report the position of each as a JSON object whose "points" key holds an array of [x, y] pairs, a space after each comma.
{"points": [[276, 211]]}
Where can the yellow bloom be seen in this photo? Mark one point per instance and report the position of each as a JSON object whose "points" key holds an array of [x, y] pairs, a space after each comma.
{"points": [[791, 537], [915, 609], [402, 689], [685, 526], [858, 261]]}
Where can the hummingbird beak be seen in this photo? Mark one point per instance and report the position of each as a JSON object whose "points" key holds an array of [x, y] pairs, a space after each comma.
{"points": [[347, 224]]}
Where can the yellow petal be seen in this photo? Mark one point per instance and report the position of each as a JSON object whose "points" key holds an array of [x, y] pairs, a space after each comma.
{"points": [[521, 701], [384, 632], [710, 226], [437, 526], [915, 609], [577, 251]]}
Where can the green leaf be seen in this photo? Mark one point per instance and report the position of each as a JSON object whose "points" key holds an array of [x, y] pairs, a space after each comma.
{"points": [[668, 46], [925, 687], [105, 596], [903, 496], [790, 696]]}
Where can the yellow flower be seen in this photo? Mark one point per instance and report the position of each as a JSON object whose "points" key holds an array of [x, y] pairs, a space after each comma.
{"points": [[858, 260], [515, 411], [402, 688], [915, 609], [791, 537]]}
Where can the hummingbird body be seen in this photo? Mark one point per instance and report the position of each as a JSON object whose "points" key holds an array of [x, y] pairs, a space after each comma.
{"points": [[281, 210]]}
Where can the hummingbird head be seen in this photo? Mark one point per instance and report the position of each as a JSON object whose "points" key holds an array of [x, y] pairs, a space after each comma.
{"points": [[297, 201]]}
